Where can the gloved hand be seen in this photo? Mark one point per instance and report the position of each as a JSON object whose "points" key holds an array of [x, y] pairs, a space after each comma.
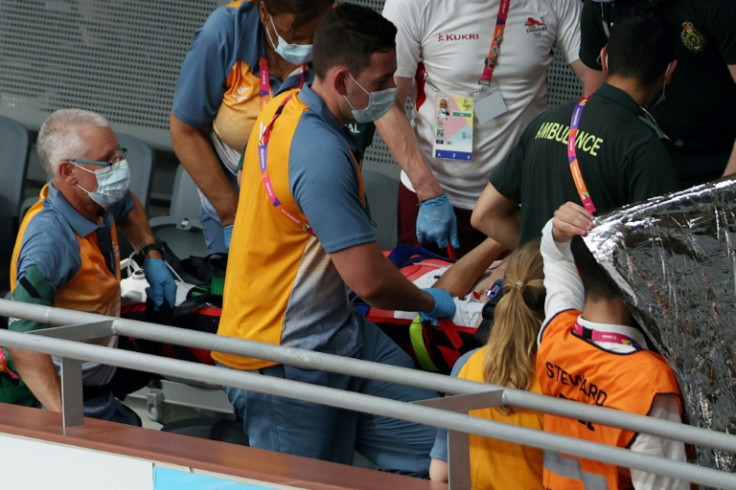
{"points": [[436, 222], [444, 306], [161, 283], [227, 235]]}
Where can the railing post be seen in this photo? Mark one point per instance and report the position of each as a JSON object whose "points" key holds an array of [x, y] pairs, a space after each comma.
{"points": [[72, 399], [458, 460], [458, 443]]}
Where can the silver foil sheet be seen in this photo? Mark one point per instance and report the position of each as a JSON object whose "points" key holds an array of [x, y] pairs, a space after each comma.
{"points": [[673, 257]]}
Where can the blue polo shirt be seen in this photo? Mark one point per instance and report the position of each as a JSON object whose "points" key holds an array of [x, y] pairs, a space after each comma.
{"points": [[49, 241], [281, 286]]}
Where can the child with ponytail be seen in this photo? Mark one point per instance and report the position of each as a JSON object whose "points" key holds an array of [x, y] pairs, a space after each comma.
{"points": [[506, 360]]}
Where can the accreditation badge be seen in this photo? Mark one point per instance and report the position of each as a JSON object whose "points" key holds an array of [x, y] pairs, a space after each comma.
{"points": [[453, 127]]}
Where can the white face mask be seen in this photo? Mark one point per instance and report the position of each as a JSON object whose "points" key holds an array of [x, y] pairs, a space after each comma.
{"points": [[112, 183], [379, 103], [661, 95], [297, 54]]}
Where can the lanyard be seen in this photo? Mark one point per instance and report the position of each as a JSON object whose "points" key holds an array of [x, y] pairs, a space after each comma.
{"points": [[572, 138], [266, 178], [264, 76], [600, 336], [4, 369], [492, 58]]}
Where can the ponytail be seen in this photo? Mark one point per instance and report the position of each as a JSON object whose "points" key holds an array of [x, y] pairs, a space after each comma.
{"points": [[519, 314]]}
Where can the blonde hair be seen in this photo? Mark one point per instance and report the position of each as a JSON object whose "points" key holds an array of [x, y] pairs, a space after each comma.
{"points": [[511, 346]]}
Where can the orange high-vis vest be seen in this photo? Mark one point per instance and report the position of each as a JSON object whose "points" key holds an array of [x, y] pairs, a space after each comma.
{"points": [[573, 368], [496, 464]]}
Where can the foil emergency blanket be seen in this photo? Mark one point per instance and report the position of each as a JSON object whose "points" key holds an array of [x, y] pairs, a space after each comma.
{"points": [[673, 257]]}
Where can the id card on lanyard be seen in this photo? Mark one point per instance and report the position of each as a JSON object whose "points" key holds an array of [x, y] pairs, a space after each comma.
{"points": [[453, 128], [454, 114]]}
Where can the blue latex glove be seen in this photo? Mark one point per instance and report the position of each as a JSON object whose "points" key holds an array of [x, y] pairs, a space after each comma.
{"points": [[227, 235], [436, 222], [161, 283], [444, 306]]}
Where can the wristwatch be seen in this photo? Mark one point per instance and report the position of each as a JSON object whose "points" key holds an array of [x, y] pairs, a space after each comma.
{"points": [[158, 246]]}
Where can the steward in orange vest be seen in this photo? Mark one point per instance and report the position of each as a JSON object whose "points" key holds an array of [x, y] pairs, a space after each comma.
{"points": [[588, 352]]}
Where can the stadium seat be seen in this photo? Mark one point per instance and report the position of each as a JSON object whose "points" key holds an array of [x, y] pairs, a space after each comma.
{"points": [[14, 147], [382, 191], [142, 161], [181, 228]]}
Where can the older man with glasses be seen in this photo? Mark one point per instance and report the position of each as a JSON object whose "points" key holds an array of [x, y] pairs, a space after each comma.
{"points": [[66, 253]]}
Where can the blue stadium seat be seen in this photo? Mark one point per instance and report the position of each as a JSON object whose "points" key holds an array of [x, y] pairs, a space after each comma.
{"points": [[382, 191]]}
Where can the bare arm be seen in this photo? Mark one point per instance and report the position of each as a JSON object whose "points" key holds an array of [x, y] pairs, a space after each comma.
{"points": [[136, 229], [39, 374], [195, 152], [590, 78], [396, 131], [438, 470], [498, 217], [377, 281], [463, 274], [731, 166]]}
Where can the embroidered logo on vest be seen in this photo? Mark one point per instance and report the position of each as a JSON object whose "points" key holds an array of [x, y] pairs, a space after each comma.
{"points": [[692, 39], [535, 26]]}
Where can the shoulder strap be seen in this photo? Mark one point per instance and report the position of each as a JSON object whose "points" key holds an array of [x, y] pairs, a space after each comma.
{"points": [[660, 134]]}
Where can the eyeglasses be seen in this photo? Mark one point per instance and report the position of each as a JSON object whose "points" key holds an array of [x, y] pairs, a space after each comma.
{"points": [[114, 161]]}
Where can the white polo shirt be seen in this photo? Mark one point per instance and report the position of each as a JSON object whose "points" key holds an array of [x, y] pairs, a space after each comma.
{"points": [[452, 39]]}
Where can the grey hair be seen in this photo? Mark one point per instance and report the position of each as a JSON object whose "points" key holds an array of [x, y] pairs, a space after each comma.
{"points": [[59, 138]]}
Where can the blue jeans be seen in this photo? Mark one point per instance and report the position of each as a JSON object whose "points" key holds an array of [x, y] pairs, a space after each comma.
{"points": [[107, 407], [333, 434]]}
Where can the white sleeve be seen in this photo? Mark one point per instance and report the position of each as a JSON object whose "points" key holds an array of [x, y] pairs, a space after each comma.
{"points": [[407, 17], [665, 407], [561, 280], [568, 35]]}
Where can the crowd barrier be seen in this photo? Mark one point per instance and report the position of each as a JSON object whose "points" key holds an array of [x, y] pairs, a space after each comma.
{"points": [[73, 327]]}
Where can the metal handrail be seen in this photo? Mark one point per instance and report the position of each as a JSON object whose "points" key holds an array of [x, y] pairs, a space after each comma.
{"points": [[365, 369], [70, 349]]}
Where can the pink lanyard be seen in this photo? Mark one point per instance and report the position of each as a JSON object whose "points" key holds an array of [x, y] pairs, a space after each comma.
{"points": [[572, 138], [598, 336], [266, 178], [264, 76], [4, 369], [492, 58]]}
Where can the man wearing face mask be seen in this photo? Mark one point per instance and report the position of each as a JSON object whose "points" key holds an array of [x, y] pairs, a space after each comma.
{"points": [[699, 111], [303, 238], [66, 253], [246, 52], [619, 152]]}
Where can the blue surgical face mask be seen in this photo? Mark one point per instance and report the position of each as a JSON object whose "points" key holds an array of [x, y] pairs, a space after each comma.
{"points": [[297, 54], [112, 183], [379, 103]]}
